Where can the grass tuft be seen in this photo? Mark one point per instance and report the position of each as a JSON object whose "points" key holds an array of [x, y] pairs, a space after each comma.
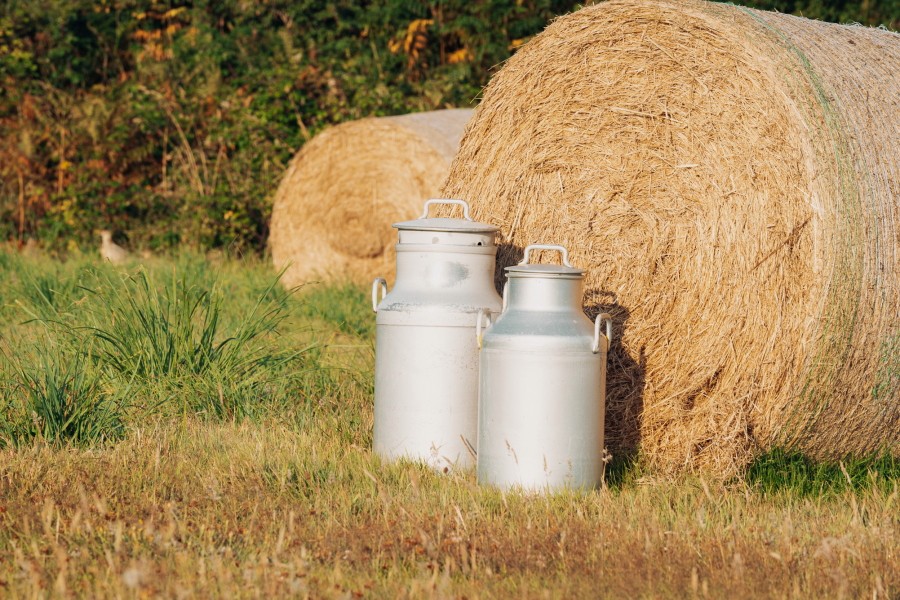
{"points": [[150, 333], [60, 400], [191, 338]]}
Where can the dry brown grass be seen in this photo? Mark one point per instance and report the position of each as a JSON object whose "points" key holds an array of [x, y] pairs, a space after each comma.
{"points": [[334, 208], [730, 180], [293, 502], [264, 510]]}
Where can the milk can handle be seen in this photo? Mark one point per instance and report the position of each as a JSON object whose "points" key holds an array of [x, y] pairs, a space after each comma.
{"points": [[379, 283], [563, 251], [600, 319], [482, 313], [462, 203]]}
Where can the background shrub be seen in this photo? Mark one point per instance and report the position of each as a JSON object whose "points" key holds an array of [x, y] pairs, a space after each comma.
{"points": [[171, 122]]}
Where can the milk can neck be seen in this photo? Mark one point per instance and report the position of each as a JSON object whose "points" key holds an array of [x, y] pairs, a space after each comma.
{"points": [[544, 293]]}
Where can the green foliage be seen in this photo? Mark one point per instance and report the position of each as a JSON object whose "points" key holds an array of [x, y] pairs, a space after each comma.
{"points": [[176, 338], [172, 122], [171, 338], [866, 12], [789, 472], [148, 333], [59, 400]]}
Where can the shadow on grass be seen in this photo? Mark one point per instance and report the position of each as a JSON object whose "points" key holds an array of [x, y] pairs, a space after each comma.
{"points": [[622, 471], [780, 471]]}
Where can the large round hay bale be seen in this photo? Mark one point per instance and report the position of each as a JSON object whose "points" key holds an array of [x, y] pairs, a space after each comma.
{"points": [[731, 178], [334, 208]]}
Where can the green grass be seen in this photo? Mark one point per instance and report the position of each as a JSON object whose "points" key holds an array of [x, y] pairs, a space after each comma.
{"points": [[86, 343], [178, 428], [60, 399], [792, 473], [347, 306]]}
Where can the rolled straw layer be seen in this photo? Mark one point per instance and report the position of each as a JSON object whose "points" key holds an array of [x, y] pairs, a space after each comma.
{"points": [[731, 179], [334, 207]]}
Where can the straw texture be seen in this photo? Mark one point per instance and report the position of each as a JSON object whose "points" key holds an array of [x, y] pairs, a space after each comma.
{"points": [[731, 179], [334, 208]]}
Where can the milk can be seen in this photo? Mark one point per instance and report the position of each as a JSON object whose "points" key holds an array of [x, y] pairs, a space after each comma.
{"points": [[426, 358], [543, 382]]}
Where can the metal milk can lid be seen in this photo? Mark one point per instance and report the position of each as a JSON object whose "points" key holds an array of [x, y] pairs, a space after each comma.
{"points": [[464, 225], [563, 271]]}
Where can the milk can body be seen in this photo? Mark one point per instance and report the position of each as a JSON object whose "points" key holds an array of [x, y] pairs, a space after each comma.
{"points": [[426, 359], [542, 383]]}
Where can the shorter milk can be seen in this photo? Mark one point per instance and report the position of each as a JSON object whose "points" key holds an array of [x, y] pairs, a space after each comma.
{"points": [[426, 358], [542, 382]]}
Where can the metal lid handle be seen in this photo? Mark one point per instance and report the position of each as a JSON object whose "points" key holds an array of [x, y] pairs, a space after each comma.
{"points": [[563, 251], [462, 203]]}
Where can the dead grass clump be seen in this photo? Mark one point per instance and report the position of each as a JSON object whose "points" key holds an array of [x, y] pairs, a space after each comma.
{"points": [[730, 177], [334, 208]]}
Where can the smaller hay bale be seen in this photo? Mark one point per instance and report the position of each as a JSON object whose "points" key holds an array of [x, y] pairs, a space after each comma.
{"points": [[335, 205]]}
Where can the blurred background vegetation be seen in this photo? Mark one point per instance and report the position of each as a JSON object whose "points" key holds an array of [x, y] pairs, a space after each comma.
{"points": [[172, 122]]}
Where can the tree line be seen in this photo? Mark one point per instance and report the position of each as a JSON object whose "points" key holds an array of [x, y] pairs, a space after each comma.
{"points": [[172, 121]]}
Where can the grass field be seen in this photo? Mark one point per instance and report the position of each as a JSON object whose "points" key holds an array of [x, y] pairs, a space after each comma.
{"points": [[187, 429]]}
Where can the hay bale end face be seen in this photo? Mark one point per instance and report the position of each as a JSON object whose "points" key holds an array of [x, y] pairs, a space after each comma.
{"points": [[334, 208], [731, 178]]}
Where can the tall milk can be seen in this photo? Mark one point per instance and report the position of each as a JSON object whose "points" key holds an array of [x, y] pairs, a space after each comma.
{"points": [[426, 358], [543, 382]]}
